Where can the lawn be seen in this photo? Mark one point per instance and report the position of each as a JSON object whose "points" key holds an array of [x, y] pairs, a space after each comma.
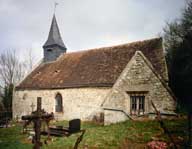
{"points": [[118, 135]]}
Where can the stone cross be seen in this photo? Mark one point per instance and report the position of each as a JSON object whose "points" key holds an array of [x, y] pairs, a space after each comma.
{"points": [[32, 106]]}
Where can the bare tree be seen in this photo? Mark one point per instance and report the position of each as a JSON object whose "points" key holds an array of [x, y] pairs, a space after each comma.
{"points": [[29, 62], [11, 69], [11, 72]]}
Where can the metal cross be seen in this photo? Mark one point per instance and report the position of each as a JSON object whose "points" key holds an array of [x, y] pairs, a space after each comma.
{"points": [[37, 125], [32, 106], [37, 117]]}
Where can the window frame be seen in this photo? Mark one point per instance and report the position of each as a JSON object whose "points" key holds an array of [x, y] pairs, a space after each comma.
{"points": [[137, 103]]}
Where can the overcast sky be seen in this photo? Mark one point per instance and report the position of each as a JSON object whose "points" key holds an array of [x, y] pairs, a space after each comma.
{"points": [[84, 24]]}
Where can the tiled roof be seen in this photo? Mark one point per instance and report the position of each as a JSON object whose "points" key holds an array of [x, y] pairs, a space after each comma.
{"points": [[93, 68]]}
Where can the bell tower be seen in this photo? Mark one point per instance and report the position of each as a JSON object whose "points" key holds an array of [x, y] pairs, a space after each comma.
{"points": [[54, 45]]}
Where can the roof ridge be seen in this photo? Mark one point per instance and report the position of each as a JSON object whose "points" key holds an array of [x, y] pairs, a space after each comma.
{"points": [[114, 46]]}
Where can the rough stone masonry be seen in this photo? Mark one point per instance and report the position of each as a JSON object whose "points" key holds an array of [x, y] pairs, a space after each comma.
{"points": [[118, 82]]}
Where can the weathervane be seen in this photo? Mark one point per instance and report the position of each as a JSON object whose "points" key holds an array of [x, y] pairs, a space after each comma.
{"points": [[55, 6]]}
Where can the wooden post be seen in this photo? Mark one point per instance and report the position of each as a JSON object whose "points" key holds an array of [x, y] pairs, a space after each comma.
{"points": [[160, 120], [79, 139]]}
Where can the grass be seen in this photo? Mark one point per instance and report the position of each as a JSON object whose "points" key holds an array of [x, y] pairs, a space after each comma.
{"points": [[11, 138], [97, 136]]}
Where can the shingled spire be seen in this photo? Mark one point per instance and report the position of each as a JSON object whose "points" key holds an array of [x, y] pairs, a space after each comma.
{"points": [[54, 45]]}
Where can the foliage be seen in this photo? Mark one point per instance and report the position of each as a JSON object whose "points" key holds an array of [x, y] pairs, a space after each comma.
{"points": [[97, 136], [181, 72], [178, 46], [7, 97]]}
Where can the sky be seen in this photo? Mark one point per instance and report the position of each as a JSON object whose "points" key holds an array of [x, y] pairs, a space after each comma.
{"points": [[84, 24]]}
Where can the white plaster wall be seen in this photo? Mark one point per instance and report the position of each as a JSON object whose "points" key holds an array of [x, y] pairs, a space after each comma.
{"points": [[81, 103]]}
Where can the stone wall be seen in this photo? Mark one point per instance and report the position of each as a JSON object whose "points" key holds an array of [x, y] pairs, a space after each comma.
{"points": [[83, 103], [138, 76], [113, 116]]}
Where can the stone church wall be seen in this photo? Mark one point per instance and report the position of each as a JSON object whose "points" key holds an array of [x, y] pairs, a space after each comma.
{"points": [[83, 103], [138, 76], [114, 116], [88, 103]]}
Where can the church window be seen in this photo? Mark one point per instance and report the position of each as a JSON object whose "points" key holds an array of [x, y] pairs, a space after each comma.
{"points": [[58, 103], [137, 101]]}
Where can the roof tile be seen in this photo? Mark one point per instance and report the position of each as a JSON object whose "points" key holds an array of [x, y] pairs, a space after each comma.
{"points": [[93, 68]]}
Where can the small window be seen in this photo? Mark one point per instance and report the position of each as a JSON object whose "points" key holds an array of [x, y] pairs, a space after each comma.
{"points": [[58, 103], [137, 104], [49, 50]]}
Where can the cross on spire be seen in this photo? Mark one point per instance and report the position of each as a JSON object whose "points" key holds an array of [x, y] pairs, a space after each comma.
{"points": [[54, 37], [55, 6]]}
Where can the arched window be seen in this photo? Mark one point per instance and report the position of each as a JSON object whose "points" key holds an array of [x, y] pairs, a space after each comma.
{"points": [[58, 103]]}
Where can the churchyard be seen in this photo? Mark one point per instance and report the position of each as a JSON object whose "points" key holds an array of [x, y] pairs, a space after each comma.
{"points": [[136, 134], [131, 91]]}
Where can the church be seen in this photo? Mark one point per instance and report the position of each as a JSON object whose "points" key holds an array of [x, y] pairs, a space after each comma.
{"points": [[109, 84]]}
